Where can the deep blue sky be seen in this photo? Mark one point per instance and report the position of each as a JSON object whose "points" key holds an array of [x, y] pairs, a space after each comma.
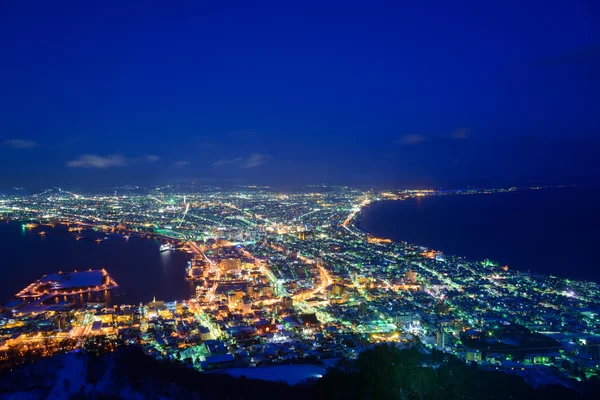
{"points": [[421, 93]]}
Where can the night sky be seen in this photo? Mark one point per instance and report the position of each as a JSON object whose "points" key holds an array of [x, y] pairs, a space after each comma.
{"points": [[419, 93]]}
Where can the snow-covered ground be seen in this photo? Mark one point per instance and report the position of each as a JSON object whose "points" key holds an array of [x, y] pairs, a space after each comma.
{"points": [[291, 374], [67, 375], [59, 378]]}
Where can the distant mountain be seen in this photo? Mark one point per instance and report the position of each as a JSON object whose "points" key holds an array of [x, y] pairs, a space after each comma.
{"points": [[13, 191]]}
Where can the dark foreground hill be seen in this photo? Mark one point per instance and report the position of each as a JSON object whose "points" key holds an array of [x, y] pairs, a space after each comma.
{"points": [[130, 374], [382, 373]]}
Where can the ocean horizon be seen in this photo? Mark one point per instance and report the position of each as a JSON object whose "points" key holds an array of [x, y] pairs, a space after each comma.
{"points": [[548, 231]]}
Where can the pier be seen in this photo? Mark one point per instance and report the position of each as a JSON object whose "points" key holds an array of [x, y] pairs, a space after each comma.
{"points": [[36, 295]]}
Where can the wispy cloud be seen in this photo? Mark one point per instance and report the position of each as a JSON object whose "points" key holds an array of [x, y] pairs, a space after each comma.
{"points": [[252, 161], [410, 139], [255, 160], [152, 158], [20, 143], [461, 133], [220, 163], [180, 164], [96, 161]]}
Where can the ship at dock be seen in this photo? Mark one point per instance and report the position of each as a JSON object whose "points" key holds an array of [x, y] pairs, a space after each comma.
{"points": [[167, 247]]}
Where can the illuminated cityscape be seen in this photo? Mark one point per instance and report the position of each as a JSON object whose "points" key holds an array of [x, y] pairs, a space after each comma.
{"points": [[283, 276], [293, 200]]}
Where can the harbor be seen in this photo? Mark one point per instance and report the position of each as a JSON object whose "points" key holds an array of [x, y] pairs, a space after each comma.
{"points": [[57, 291], [134, 261]]}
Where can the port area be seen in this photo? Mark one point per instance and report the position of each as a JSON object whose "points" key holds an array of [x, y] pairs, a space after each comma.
{"points": [[62, 289]]}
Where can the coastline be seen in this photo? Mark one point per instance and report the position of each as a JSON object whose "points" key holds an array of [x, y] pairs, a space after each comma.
{"points": [[139, 267], [525, 222]]}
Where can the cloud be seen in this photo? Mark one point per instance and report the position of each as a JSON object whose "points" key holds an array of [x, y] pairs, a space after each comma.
{"points": [[254, 160], [20, 143], [152, 158], [220, 163], [461, 133], [180, 164], [96, 161], [411, 139]]}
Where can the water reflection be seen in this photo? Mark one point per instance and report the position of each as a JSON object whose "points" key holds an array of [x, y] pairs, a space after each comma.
{"points": [[138, 267]]}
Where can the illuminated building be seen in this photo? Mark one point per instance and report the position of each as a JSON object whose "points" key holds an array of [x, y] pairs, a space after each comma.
{"points": [[537, 359], [473, 355], [405, 319], [429, 254], [156, 304], [231, 264], [234, 300], [334, 291], [489, 263], [442, 339], [196, 273], [375, 240], [410, 276], [247, 305], [204, 333], [287, 303], [306, 235], [363, 309]]}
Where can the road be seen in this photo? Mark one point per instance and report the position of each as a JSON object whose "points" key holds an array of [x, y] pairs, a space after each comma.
{"points": [[213, 267]]}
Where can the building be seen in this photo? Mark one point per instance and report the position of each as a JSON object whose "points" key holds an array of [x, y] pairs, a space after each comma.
{"points": [[442, 339], [204, 333], [363, 308], [231, 264], [287, 303], [234, 300], [442, 308], [473, 355], [411, 276], [306, 235], [537, 359], [319, 261], [218, 362], [247, 305], [335, 291], [405, 319]]}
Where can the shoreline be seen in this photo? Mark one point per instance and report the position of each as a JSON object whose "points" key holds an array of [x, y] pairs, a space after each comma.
{"points": [[60, 232], [357, 224]]}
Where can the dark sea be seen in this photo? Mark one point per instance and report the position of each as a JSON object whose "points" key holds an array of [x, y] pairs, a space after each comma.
{"points": [[136, 264], [551, 231]]}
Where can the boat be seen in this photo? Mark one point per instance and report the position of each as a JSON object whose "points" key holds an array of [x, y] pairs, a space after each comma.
{"points": [[42, 233], [113, 235], [167, 247], [98, 240]]}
